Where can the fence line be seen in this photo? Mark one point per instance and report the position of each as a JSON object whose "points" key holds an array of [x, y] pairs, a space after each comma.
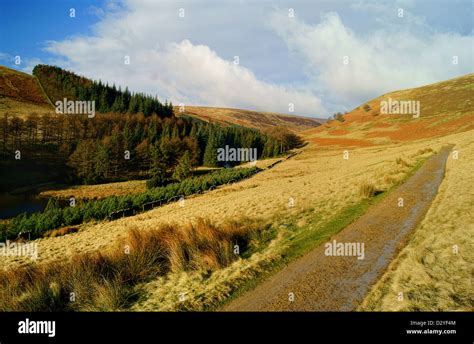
{"points": [[151, 205]]}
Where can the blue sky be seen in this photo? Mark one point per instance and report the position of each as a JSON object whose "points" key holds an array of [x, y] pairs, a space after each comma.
{"points": [[282, 59], [27, 25]]}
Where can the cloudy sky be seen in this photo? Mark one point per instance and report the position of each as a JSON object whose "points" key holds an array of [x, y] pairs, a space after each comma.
{"points": [[320, 56]]}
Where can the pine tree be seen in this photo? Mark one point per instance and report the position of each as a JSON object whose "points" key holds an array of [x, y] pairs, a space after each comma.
{"points": [[133, 105], [128, 136], [142, 153], [158, 167], [183, 169], [103, 105], [82, 160], [137, 134], [116, 105], [175, 131], [210, 153], [152, 132], [102, 162]]}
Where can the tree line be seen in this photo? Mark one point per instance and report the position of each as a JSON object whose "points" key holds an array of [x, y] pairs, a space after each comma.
{"points": [[113, 147], [59, 84], [54, 217]]}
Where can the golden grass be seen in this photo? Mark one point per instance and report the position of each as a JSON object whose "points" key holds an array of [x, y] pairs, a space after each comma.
{"points": [[21, 109], [367, 189], [317, 178], [61, 231], [98, 191], [403, 163], [248, 118], [434, 271], [198, 290], [446, 108], [107, 281]]}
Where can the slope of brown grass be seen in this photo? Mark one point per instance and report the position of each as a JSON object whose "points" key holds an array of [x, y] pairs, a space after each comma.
{"points": [[446, 107], [21, 86], [99, 190], [21, 94], [251, 119], [13, 107]]}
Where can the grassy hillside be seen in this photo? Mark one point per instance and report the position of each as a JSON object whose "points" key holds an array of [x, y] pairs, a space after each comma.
{"points": [[21, 93], [446, 107], [252, 119]]}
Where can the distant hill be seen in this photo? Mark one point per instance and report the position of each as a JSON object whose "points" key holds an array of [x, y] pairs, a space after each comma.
{"points": [[446, 107], [248, 118], [22, 93]]}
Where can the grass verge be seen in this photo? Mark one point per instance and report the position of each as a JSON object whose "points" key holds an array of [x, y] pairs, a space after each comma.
{"points": [[433, 272]]}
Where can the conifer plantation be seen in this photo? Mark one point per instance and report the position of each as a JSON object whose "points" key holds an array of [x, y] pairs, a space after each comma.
{"points": [[59, 84], [116, 147]]}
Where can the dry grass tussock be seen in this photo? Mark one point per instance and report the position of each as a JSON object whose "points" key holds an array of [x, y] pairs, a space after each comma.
{"points": [[367, 190], [107, 281], [61, 231], [402, 162]]}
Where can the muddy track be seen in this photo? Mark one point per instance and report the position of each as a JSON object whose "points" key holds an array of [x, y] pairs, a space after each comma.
{"points": [[339, 283]]}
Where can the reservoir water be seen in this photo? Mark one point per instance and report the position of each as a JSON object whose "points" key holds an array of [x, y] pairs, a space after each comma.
{"points": [[13, 205]]}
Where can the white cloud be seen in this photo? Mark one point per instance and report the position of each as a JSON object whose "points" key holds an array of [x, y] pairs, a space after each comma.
{"points": [[283, 60], [400, 54], [181, 71]]}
